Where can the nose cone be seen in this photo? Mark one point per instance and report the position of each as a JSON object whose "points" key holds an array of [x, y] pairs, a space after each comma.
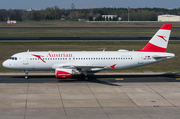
{"points": [[5, 64]]}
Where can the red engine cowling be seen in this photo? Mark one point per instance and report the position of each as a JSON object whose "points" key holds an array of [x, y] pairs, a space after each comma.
{"points": [[63, 73]]}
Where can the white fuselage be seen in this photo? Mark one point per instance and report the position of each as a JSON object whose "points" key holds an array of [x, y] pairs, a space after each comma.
{"points": [[106, 59]]}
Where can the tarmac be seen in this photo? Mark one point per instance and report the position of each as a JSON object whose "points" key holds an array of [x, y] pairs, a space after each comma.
{"points": [[104, 96]]}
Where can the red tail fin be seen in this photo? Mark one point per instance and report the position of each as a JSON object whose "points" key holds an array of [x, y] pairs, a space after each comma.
{"points": [[159, 41]]}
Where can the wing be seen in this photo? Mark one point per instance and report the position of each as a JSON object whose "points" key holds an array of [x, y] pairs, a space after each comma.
{"points": [[79, 67]]}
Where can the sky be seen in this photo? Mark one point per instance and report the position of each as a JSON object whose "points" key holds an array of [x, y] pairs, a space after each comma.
{"points": [[79, 4]]}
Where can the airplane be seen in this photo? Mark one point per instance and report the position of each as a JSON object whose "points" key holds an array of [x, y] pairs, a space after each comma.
{"points": [[68, 63]]}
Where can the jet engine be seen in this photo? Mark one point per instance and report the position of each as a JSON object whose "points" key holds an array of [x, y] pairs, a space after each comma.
{"points": [[63, 73]]}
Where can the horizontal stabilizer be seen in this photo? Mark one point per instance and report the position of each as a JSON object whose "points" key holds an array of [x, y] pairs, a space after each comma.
{"points": [[163, 56]]}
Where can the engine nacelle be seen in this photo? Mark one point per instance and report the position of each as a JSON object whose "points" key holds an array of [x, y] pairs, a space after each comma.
{"points": [[63, 73]]}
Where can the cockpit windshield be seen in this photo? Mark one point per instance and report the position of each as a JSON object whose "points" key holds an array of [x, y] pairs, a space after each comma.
{"points": [[13, 58]]}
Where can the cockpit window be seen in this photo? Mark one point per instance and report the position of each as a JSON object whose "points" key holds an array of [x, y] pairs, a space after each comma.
{"points": [[13, 58]]}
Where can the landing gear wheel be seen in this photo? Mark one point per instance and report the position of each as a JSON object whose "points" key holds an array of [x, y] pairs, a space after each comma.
{"points": [[86, 78], [26, 77]]}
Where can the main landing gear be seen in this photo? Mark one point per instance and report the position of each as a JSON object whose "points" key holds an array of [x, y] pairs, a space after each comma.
{"points": [[84, 76], [26, 76]]}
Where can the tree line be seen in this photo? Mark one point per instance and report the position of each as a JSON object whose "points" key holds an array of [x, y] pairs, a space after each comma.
{"points": [[55, 13]]}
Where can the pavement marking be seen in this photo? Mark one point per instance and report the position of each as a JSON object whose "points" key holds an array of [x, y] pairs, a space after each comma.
{"points": [[119, 79], [51, 82], [26, 85], [177, 78]]}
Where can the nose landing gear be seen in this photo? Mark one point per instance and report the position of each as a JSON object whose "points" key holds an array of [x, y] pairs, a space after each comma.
{"points": [[26, 76]]}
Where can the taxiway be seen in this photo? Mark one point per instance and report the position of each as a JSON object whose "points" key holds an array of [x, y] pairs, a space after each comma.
{"points": [[104, 96]]}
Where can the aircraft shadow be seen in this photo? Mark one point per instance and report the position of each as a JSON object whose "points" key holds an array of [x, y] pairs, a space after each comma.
{"points": [[102, 79]]}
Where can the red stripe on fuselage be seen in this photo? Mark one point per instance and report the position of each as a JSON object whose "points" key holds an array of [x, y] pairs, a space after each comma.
{"points": [[152, 48]]}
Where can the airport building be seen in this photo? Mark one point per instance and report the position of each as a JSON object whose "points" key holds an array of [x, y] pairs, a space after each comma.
{"points": [[108, 17], [168, 17]]}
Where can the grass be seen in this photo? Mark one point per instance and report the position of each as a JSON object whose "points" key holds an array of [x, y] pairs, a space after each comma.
{"points": [[173, 65], [9, 48], [69, 23], [82, 32]]}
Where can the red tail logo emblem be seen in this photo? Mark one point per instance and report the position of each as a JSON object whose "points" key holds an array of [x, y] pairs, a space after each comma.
{"points": [[163, 37], [39, 57]]}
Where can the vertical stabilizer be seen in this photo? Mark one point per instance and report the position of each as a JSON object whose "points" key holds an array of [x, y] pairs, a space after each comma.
{"points": [[159, 41]]}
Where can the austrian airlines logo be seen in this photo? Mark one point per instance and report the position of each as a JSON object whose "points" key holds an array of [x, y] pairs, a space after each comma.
{"points": [[39, 57], [163, 37]]}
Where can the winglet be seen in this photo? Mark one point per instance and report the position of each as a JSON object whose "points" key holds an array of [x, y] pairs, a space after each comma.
{"points": [[113, 66], [159, 41]]}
